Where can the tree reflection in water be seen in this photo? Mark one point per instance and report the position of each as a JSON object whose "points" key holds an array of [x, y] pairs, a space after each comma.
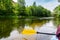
{"points": [[56, 22], [8, 25]]}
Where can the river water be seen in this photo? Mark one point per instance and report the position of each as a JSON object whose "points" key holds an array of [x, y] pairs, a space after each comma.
{"points": [[10, 29]]}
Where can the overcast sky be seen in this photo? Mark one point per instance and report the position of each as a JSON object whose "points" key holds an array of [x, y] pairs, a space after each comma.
{"points": [[49, 4]]}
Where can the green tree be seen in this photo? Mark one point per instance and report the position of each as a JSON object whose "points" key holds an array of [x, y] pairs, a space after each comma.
{"points": [[6, 8], [22, 8], [34, 4], [57, 11], [38, 11]]}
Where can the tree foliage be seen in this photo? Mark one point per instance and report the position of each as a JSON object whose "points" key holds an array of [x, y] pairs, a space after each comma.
{"points": [[38, 11], [22, 8], [57, 11], [11, 8], [6, 7]]}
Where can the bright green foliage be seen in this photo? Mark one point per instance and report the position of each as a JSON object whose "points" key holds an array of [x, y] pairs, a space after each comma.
{"points": [[22, 8], [57, 11], [11, 8], [37, 11], [6, 7]]}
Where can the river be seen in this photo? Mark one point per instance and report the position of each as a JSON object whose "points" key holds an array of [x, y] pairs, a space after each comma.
{"points": [[10, 29]]}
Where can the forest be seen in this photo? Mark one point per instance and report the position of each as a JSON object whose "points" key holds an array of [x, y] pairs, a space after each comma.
{"points": [[9, 9]]}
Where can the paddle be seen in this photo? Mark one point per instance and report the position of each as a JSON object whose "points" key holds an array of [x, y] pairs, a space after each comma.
{"points": [[31, 32], [45, 33]]}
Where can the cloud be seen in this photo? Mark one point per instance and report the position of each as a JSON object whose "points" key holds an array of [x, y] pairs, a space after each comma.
{"points": [[48, 4], [15, 0], [29, 2], [44, 1]]}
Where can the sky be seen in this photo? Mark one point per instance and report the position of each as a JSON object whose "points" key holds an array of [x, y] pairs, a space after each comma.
{"points": [[48, 4]]}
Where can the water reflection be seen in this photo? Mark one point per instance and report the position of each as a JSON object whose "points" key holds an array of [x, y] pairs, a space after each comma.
{"points": [[47, 27], [56, 22], [15, 35], [10, 29], [7, 25], [36, 22]]}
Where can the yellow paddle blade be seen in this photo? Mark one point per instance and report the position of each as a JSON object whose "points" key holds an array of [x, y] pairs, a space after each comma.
{"points": [[28, 32]]}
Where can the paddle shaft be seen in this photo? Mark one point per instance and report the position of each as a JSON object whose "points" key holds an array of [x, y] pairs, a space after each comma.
{"points": [[45, 33]]}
